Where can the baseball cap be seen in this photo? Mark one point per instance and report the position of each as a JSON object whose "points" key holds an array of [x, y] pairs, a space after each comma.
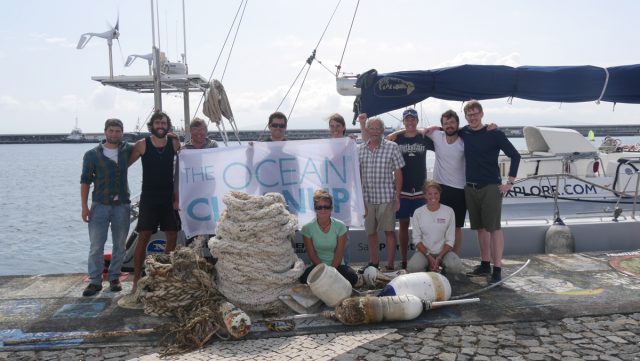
{"points": [[409, 112]]}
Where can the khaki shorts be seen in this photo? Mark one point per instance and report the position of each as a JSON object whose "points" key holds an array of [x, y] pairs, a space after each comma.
{"points": [[380, 217], [484, 206]]}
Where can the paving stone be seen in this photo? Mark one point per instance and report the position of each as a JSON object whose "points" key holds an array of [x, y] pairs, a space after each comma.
{"points": [[609, 358], [447, 357], [486, 351], [528, 342], [508, 353], [468, 351], [428, 350], [499, 358], [393, 337], [536, 357], [616, 339], [572, 336], [412, 348]]}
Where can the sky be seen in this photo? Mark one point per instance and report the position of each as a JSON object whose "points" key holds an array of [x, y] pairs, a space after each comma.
{"points": [[46, 82]]}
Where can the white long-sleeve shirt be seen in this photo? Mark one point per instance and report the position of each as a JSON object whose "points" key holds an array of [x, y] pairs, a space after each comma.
{"points": [[434, 229]]}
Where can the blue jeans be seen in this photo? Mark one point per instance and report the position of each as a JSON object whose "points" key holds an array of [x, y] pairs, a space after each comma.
{"points": [[99, 220]]}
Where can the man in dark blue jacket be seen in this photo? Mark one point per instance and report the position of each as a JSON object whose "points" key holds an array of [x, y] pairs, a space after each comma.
{"points": [[484, 189]]}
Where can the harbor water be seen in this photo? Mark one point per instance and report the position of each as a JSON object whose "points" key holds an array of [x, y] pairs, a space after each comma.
{"points": [[40, 224]]}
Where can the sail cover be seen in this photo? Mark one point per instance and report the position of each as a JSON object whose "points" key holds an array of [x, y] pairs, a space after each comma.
{"points": [[384, 92]]}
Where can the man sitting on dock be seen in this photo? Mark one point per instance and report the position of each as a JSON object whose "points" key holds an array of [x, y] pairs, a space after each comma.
{"points": [[484, 188], [106, 167], [156, 201]]}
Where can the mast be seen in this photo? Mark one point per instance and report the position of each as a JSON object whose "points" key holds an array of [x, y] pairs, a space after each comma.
{"points": [[157, 97], [187, 133]]}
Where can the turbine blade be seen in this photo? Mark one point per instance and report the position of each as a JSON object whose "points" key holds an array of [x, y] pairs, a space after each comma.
{"points": [[120, 50], [84, 39], [130, 60]]}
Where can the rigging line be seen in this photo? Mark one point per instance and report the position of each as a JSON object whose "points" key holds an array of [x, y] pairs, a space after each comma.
{"points": [[324, 66], [300, 91], [234, 40], [310, 59], [291, 87], [327, 26], [219, 55], [339, 66]]}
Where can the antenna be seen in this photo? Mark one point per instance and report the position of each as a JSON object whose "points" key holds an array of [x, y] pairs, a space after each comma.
{"points": [[109, 35]]}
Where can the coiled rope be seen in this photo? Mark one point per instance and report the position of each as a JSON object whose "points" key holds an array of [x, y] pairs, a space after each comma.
{"points": [[182, 285], [256, 262]]}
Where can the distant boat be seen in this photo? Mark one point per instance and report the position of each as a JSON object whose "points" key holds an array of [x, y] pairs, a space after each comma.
{"points": [[76, 134], [591, 135]]}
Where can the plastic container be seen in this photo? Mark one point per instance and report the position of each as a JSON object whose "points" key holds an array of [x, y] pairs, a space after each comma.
{"points": [[428, 286], [364, 310], [328, 285]]}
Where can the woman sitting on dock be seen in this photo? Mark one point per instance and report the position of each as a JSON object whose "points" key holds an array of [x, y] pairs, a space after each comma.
{"points": [[325, 239], [434, 234]]}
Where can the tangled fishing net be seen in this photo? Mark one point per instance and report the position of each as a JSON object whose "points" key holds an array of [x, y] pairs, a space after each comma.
{"points": [[256, 262], [182, 285]]}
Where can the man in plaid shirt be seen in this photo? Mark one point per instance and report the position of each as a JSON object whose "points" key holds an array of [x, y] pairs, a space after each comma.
{"points": [[381, 163]]}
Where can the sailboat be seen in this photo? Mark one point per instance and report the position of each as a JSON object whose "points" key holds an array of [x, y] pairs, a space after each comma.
{"points": [[76, 135]]}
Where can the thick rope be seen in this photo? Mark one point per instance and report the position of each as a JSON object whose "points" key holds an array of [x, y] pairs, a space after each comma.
{"points": [[256, 263], [182, 285]]}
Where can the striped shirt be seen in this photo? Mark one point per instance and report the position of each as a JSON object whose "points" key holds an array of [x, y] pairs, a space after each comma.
{"points": [[376, 171]]}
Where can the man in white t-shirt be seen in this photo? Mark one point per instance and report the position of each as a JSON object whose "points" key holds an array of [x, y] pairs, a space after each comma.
{"points": [[449, 168]]}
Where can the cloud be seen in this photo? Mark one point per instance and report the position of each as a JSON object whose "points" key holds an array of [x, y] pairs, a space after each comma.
{"points": [[483, 57], [51, 40], [7, 101]]}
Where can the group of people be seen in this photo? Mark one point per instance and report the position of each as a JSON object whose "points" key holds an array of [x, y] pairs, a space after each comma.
{"points": [[466, 176], [106, 167], [394, 186]]}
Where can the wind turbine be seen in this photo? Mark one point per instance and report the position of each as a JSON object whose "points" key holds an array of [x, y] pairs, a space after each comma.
{"points": [[109, 35], [133, 57]]}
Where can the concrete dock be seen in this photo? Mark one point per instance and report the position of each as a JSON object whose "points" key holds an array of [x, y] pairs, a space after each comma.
{"points": [[578, 306]]}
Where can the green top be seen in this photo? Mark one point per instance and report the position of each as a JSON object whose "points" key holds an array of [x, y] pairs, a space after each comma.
{"points": [[324, 243]]}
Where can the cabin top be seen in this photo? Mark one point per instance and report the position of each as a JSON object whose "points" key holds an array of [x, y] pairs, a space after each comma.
{"points": [[556, 141]]}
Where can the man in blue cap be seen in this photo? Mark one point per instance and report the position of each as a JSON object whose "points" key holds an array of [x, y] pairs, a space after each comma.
{"points": [[413, 146]]}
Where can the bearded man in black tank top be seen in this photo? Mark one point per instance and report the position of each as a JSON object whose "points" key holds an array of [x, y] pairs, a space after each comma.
{"points": [[156, 201]]}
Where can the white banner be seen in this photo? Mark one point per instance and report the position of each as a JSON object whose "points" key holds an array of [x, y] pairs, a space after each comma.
{"points": [[293, 168]]}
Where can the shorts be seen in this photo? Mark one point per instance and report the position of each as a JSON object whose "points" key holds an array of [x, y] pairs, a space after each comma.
{"points": [[485, 206], [380, 217], [455, 198], [156, 211], [408, 205]]}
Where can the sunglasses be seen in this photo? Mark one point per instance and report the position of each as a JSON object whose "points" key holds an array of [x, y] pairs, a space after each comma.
{"points": [[276, 125], [320, 208]]}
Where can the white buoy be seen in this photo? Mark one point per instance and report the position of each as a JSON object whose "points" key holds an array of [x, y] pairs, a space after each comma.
{"points": [[363, 310], [329, 285], [427, 286], [558, 239]]}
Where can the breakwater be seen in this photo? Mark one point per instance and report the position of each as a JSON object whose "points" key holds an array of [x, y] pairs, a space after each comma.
{"points": [[294, 134]]}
